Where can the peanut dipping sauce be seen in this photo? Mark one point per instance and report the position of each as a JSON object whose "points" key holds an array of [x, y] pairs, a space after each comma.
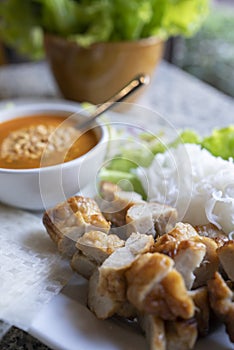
{"points": [[41, 140]]}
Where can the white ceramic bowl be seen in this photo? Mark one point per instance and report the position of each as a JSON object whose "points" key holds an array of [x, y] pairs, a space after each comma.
{"points": [[41, 188]]}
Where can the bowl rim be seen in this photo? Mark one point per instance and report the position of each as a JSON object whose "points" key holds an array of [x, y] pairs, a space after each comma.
{"points": [[47, 106], [56, 39]]}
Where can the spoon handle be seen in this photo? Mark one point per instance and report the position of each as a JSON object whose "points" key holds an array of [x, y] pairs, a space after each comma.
{"points": [[131, 87]]}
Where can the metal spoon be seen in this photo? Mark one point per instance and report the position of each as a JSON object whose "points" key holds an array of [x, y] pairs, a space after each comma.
{"points": [[126, 91]]}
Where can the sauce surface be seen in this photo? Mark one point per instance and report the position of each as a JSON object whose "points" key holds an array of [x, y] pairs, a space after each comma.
{"points": [[41, 140]]}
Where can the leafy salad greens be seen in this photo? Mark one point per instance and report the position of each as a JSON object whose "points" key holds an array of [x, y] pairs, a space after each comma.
{"points": [[121, 169], [88, 21]]}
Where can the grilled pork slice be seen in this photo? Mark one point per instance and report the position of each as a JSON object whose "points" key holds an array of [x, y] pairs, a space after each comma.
{"points": [[151, 218], [169, 335], [210, 263], [222, 302], [97, 245], [150, 280], [169, 241], [211, 231], [226, 257], [202, 307], [146, 272], [114, 202], [112, 271], [195, 256], [127, 310], [66, 246], [179, 302], [83, 265], [183, 231], [71, 219], [154, 329], [186, 254], [109, 284], [139, 219], [102, 305], [181, 334], [108, 190], [93, 248], [188, 258]]}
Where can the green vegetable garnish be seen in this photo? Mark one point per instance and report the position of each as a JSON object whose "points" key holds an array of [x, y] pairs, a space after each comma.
{"points": [[121, 164], [186, 136], [221, 142], [127, 180], [20, 26], [89, 21]]}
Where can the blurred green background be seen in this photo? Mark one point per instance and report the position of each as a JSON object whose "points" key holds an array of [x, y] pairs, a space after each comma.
{"points": [[209, 55]]}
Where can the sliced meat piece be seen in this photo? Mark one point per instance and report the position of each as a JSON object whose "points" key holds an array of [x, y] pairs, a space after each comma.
{"points": [[83, 265], [71, 219], [150, 281], [66, 247], [222, 302], [202, 307], [127, 310], [112, 271], [210, 263], [140, 219], [171, 240], [169, 335], [52, 229], [150, 218], [154, 329], [146, 272], [108, 189], [167, 245], [164, 217], [97, 245], [177, 298], [179, 244], [114, 202], [211, 231], [226, 258], [176, 239], [139, 244], [181, 334], [103, 306], [187, 256], [183, 231]]}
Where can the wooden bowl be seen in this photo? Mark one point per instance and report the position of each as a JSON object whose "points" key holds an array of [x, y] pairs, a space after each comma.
{"points": [[96, 73]]}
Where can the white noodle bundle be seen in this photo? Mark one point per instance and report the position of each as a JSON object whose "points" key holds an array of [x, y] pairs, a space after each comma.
{"points": [[198, 184]]}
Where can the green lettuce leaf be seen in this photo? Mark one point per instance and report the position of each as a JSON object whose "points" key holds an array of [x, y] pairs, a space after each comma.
{"points": [[127, 180], [184, 16], [89, 21], [221, 142], [94, 22], [186, 136], [59, 16], [20, 27]]}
